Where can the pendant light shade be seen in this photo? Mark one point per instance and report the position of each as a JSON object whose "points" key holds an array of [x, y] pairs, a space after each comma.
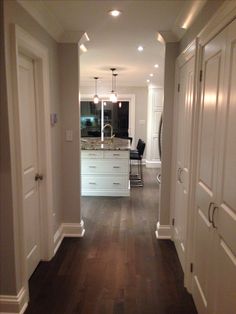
{"points": [[95, 97], [113, 95]]}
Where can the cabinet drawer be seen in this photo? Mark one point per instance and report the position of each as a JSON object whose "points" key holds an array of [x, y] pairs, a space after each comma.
{"points": [[116, 154], [104, 182], [104, 166], [92, 154]]}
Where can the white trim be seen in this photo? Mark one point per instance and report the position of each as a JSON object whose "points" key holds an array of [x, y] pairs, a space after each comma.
{"points": [[122, 97], [29, 46], [153, 164], [185, 56], [14, 304], [42, 14], [163, 231], [223, 16], [68, 230]]}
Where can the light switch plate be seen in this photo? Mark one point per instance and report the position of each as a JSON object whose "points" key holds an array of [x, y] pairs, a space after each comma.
{"points": [[69, 135]]}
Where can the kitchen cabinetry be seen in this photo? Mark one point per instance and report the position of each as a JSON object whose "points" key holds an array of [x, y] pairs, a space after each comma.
{"points": [[105, 173], [214, 276]]}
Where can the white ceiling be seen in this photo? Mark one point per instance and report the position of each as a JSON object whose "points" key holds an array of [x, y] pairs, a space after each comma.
{"points": [[114, 41]]}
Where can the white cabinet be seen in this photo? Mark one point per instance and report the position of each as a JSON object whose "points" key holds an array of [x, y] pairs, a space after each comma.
{"points": [[105, 173], [214, 277]]}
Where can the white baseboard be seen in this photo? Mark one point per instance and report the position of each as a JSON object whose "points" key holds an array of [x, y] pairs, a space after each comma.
{"points": [[14, 304], [163, 231], [153, 164], [68, 230], [135, 162]]}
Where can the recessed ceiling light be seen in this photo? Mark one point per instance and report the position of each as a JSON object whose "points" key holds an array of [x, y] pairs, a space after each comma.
{"points": [[114, 13], [140, 48], [148, 81], [156, 66], [151, 74]]}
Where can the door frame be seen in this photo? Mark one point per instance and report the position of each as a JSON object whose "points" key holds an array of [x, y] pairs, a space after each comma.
{"points": [[27, 45], [189, 53]]}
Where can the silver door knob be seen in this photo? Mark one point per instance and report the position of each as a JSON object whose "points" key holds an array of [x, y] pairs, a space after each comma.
{"points": [[38, 177]]}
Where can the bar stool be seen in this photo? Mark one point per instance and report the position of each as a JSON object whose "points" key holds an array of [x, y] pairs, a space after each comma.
{"points": [[137, 154]]}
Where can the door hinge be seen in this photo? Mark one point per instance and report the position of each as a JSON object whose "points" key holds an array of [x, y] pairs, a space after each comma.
{"points": [[201, 73], [173, 222], [178, 88], [191, 267]]}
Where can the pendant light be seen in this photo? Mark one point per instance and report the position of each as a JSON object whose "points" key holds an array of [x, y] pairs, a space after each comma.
{"points": [[95, 97], [113, 96]]}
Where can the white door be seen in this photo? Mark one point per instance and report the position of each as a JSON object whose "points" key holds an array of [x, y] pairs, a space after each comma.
{"points": [[184, 133], [225, 211], [206, 194], [29, 149]]}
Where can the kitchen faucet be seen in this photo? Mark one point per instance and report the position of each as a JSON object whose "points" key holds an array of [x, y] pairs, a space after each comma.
{"points": [[110, 126]]}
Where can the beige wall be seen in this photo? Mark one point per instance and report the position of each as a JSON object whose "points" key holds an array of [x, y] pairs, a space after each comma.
{"points": [[141, 99], [7, 261], [15, 14]]}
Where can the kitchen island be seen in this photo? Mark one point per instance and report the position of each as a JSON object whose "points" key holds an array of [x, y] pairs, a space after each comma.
{"points": [[105, 167]]}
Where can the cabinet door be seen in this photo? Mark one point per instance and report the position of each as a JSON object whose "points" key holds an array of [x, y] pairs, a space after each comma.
{"points": [[209, 133], [225, 214], [184, 132]]}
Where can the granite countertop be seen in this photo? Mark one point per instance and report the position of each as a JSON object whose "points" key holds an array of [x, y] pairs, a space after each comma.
{"points": [[95, 143]]}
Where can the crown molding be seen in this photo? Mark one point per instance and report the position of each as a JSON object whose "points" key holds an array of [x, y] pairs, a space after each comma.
{"points": [[42, 14]]}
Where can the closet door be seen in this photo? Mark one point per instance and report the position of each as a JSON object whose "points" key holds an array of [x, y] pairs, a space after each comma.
{"points": [[209, 134], [225, 210], [184, 133]]}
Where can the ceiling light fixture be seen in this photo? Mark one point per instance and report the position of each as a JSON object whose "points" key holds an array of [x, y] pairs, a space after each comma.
{"points": [[140, 48], [151, 74], [95, 97], [115, 13], [148, 81], [113, 95], [83, 48], [156, 66]]}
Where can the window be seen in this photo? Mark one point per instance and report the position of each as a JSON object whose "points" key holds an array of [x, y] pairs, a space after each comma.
{"points": [[95, 116]]}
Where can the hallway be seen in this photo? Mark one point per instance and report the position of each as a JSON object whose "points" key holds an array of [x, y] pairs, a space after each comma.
{"points": [[118, 267]]}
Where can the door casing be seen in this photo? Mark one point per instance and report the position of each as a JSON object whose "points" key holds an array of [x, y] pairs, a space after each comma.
{"points": [[27, 45]]}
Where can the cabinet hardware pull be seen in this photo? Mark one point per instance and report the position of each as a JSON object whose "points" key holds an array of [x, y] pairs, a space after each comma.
{"points": [[180, 173], [92, 154], [213, 215], [92, 183], [209, 212], [116, 167], [116, 154], [92, 167], [116, 183]]}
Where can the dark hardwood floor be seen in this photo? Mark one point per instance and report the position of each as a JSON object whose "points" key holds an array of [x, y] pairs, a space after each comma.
{"points": [[118, 267]]}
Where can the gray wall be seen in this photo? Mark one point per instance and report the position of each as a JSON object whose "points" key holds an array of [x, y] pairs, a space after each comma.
{"points": [[14, 13], [141, 99], [69, 91], [7, 261], [171, 52]]}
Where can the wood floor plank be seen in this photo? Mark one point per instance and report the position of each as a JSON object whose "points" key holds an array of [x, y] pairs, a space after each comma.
{"points": [[119, 267]]}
